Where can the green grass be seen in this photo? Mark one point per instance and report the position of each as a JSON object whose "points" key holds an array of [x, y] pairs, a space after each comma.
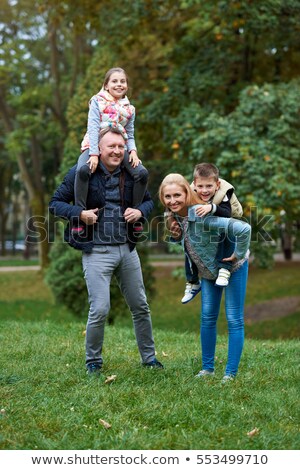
{"points": [[18, 262], [50, 403]]}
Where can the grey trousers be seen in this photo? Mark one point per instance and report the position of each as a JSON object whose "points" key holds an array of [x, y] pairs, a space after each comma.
{"points": [[98, 268]]}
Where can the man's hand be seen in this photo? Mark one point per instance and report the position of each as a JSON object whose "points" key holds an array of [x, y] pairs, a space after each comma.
{"points": [[203, 210], [132, 215], [89, 217]]}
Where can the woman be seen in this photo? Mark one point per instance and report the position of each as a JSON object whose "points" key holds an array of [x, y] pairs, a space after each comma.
{"points": [[200, 236]]}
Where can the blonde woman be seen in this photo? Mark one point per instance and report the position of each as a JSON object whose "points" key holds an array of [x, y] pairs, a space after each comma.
{"points": [[201, 236]]}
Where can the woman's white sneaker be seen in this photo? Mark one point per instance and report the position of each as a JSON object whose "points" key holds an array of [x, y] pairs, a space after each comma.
{"points": [[204, 373], [227, 378]]}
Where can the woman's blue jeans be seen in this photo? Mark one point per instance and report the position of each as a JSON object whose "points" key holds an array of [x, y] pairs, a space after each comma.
{"points": [[211, 296]]}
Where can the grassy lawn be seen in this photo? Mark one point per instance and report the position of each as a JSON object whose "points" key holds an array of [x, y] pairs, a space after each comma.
{"points": [[17, 261], [48, 402]]}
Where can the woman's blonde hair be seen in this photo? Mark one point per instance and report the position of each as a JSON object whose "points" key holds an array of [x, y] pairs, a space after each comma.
{"points": [[176, 178]]}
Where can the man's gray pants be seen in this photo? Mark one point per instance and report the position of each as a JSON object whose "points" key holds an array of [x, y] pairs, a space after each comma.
{"points": [[99, 267]]}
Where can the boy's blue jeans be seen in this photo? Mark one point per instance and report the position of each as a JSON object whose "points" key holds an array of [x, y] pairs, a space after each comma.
{"points": [[225, 250], [211, 296], [191, 271]]}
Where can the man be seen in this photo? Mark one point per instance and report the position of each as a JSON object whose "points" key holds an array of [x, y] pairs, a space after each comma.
{"points": [[109, 247]]}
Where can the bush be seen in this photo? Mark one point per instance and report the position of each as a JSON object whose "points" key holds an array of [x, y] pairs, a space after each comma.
{"points": [[263, 253], [65, 278]]}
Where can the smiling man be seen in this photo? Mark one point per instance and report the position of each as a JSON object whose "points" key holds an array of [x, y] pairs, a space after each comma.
{"points": [[109, 246]]}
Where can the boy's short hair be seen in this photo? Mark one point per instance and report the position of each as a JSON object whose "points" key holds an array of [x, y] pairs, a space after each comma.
{"points": [[206, 170]]}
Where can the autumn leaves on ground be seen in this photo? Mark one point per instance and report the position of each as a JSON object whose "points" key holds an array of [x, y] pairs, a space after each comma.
{"points": [[48, 402]]}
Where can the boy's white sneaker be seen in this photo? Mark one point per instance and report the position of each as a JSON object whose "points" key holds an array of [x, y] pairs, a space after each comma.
{"points": [[191, 290], [223, 278]]}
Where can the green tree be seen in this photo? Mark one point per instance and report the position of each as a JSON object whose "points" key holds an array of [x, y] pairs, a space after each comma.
{"points": [[220, 48], [257, 147], [43, 52], [188, 61]]}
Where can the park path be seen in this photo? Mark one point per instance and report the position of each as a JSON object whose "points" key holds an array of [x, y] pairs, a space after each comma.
{"points": [[7, 269], [172, 263]]}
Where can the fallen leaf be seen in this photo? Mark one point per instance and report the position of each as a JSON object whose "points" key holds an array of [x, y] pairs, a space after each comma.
{"points": [[105, 424], [110, 379], [164, 354], [253, 432], [83, 333]]}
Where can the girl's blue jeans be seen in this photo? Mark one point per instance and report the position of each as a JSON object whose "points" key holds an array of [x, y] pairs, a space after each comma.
{"points": [[211, 296]]}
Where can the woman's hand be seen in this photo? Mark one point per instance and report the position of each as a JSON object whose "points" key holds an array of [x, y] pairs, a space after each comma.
{"points": [[175, 229], [93, 162], [134, 159], [203, 210]]}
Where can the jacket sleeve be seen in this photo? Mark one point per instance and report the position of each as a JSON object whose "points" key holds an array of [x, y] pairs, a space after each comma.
{"points": [[225, 188], [130, 133], [60, 203], [94, 121], [236, 207], [224, 208], [146, 205]]}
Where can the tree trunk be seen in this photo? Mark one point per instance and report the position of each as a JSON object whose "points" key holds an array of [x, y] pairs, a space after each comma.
{"points": [[287, 240], [37, 230], [3, 221], [55, 73]]}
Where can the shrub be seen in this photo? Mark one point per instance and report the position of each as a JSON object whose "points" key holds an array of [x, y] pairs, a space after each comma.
{"points": [[263, 253]]}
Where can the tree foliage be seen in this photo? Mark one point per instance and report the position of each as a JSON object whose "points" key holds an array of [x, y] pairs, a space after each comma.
{"points": [[199, 73], [42, 55]]}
